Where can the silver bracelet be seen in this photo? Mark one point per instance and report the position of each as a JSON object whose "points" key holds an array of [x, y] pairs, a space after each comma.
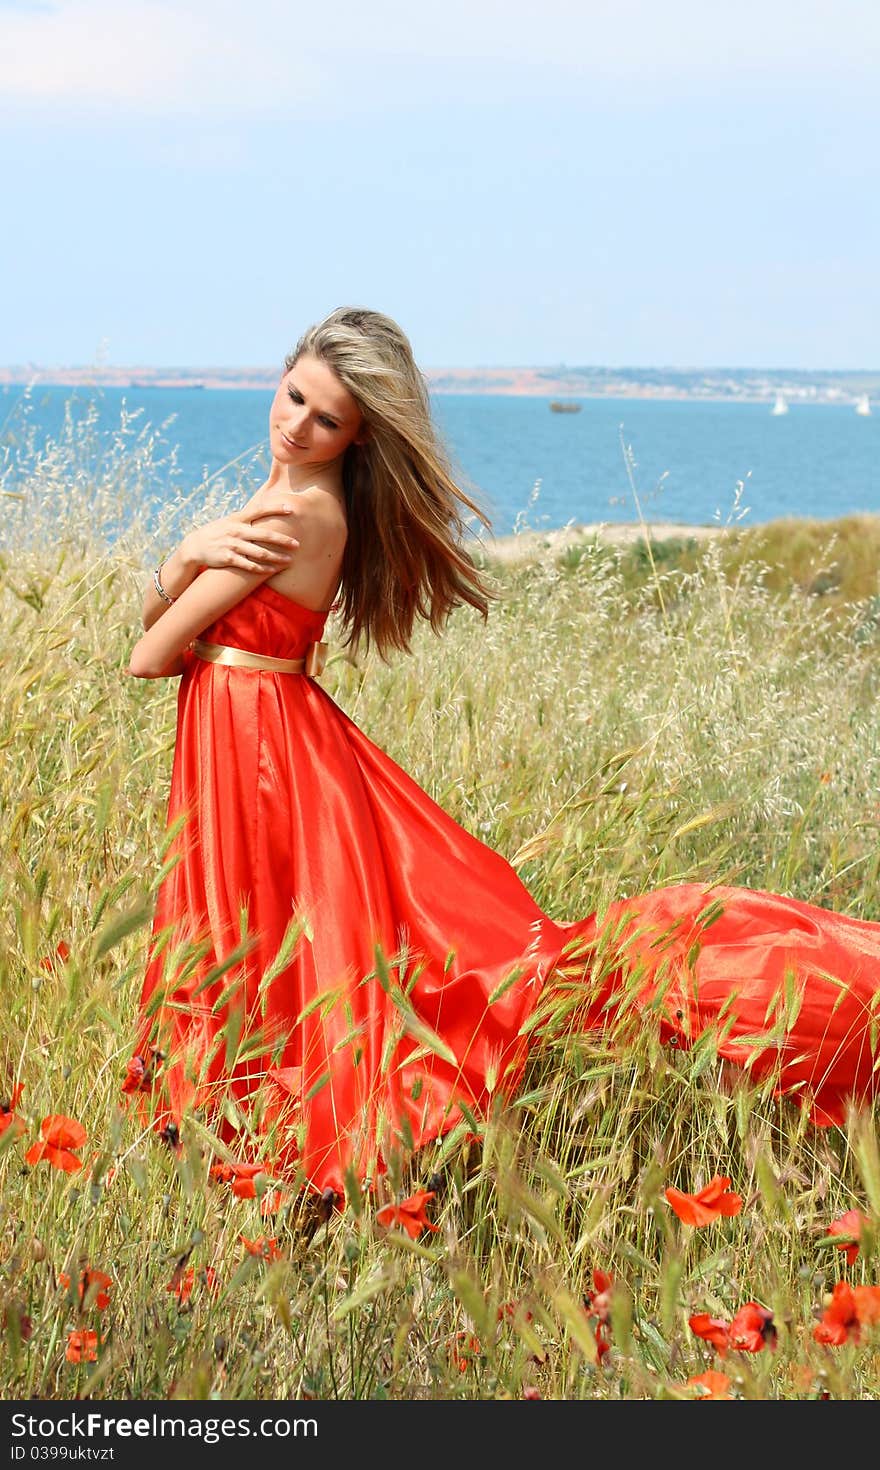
{"points": [[157, 583]]}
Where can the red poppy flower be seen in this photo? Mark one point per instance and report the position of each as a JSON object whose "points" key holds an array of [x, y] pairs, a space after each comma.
{"points": [[245, 1188], [263, 1246], [839, 1322], [850, 1309], [711, 1385], [82, 1346], [529, 1392], [141, 1069], [752, 1329], [61, 1136], [182, 1282], [867, 1300], [850, 1225], [603, 1341], [185, 1278], [707, 1204], [509, 1311], [409, 1214], [89, 1279], [464, 1347], [598, 1301], [135, 1074], [8, 1116], [711, 1329], [227, 1170], [62, 954], [241, 1176]]}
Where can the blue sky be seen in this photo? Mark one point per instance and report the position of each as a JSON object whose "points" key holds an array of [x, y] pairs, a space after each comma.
{"points": [[627, 183]]}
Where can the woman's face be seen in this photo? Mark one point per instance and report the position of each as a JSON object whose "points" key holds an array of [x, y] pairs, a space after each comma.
{"points": [[313, 418]]}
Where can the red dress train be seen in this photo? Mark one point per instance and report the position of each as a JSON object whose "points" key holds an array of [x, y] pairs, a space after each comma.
{"points": [[335, 955]]}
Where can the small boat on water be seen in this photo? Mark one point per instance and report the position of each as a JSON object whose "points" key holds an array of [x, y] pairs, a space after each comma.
{"points": [[780, 406], [559, 405], [863, 405]]}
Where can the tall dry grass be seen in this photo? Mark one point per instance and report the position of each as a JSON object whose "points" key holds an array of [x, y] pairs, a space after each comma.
{"points": [[615, 726]]}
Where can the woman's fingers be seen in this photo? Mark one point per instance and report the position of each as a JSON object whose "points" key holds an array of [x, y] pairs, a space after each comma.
{"points": [[271, 538], [253, 549], [248, 565], [278, 505], [271, 543], [269, 555]]}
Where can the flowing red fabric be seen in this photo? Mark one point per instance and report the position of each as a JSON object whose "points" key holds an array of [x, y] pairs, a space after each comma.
{"points": [[336, 955]]}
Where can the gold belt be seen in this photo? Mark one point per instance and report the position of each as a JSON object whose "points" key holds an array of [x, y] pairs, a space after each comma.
{"points": [[242, 658]]}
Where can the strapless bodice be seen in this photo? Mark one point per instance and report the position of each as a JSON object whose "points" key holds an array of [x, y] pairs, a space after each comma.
{"points": [[268, 622]]}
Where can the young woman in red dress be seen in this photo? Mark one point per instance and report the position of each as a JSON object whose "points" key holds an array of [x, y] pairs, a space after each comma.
{"points": [[335, 963]]}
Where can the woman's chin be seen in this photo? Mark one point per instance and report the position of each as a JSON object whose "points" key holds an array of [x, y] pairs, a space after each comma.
{"points": [[287, 453]]}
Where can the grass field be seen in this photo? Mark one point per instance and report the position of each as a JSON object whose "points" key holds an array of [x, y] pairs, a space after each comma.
{"points": [[626, 718]]}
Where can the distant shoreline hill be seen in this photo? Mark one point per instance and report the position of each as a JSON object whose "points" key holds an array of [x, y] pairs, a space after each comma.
{"points": [[748, 385]]}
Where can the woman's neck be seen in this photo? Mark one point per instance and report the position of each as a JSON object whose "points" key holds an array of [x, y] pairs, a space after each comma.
{"points": [[326, 476]]}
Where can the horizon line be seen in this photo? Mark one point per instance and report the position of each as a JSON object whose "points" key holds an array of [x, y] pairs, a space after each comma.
{"points": [[117, 369]]}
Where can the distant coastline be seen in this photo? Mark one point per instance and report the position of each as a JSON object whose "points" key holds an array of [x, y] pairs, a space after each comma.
{"points": [[533, 546], [745, 385]]}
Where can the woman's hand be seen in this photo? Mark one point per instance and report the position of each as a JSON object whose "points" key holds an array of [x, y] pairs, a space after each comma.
{"points": [[162, 650], [231, 543], [237, 541]]}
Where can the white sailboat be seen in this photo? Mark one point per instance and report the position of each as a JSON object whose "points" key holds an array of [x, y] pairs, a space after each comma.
{"points": [[780, 406], [863, 405]]}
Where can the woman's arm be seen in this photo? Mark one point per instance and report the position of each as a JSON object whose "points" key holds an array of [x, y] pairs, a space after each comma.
{"points": [[231, 541], [159, 652]]}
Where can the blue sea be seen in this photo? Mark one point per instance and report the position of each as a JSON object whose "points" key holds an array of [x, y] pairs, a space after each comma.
{"points": [[617, 460]]}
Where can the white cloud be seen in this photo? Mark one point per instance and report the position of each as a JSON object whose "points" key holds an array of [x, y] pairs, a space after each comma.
{"points": [[238, 59]]}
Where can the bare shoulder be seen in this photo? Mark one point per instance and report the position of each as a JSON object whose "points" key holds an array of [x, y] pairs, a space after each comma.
{"points": [[316, 518], [315, 501]]}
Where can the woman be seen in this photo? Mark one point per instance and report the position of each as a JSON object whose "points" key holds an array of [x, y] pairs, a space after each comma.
{"points": [[335, 962]]}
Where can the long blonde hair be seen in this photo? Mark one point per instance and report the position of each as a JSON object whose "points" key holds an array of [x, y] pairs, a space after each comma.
{"points": [[404, 556]]}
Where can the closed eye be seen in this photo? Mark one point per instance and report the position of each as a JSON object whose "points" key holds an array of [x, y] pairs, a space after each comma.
{"points": [[297, 397]]}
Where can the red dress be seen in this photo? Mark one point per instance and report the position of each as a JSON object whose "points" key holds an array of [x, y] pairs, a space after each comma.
{"points": [[414, 954]]}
